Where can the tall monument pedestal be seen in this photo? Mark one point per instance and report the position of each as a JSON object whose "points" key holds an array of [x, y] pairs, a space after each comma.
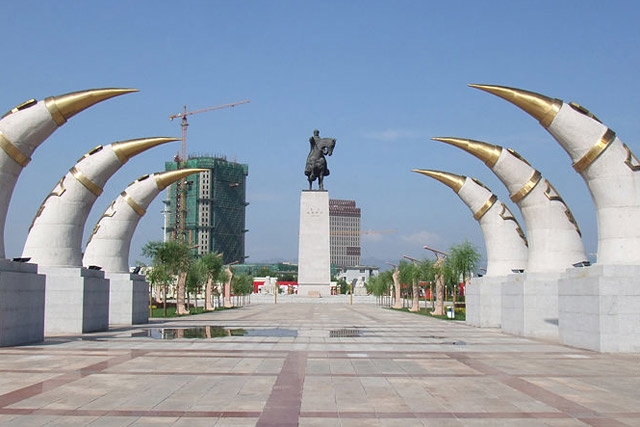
{"points": [[128, 299], [76, 300], [314, 266], [22, 292], [599, 308]]}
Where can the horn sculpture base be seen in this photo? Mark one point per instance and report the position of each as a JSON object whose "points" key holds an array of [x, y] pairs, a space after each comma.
{"points": [[314, 267], [599, 308], [128, 299], [530, 305], [483, 299], [22, 292], [76, 300]]}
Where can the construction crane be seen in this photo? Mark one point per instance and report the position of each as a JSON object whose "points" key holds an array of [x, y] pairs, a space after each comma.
{"points": [[184, 124], [181, 186], [353, 232]]}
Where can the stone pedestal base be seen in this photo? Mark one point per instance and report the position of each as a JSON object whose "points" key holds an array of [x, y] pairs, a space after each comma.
{"points": [[599, 308], [315, 291], [314, 267], [76, 300], [360, 291], [22, 292], [483, 299], [128, 299], [530, 305]]}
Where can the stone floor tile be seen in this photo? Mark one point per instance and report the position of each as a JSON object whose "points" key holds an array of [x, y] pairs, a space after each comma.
{"points": [[403, 370]]}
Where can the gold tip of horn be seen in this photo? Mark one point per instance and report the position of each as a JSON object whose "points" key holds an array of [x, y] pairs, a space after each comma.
{"points": [[453, 181], [165, 179], [127, 149], [542, 108], [63, 107], [488, 153]]}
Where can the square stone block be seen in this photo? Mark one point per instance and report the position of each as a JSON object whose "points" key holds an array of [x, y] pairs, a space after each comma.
{"points": [[483, 298], [530, 305], [76, 300], [22, 294], [128, 299], [599, 308]]}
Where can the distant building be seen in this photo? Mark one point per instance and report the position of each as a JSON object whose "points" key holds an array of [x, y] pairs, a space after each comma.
{"points": [[344, 232], [214, 211], [357, 274], [272, 269]]}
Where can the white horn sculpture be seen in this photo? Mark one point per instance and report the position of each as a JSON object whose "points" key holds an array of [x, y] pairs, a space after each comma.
{"points": [[554, 238]]}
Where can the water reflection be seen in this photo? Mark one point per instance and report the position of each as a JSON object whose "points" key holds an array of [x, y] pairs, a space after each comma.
{"points": [[212, 332]]}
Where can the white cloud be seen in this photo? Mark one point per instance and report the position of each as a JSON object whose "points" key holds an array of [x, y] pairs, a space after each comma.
{"points": [[422, 238]]}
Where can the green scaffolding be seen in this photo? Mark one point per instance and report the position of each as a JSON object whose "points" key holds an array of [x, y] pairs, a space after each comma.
{"points": [[226, 207]]}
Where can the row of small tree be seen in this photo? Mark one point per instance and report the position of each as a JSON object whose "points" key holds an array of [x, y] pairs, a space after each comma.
{"points": [[174, 263], [446, 272]]}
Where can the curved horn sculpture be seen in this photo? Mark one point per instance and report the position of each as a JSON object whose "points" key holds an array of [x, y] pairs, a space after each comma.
{"points": [[555, 242], [504, 239], [26, 126], [610, 169], [110, 240], [55, 236]]}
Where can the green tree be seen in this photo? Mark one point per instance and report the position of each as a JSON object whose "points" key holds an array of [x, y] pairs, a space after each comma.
{"points": [[160, 277], [407, 277], [342, 287], [176, 258], [242, 284], [380, 285], [413, 273], [427, 273], [463, 259], [195, 279], [212, 267]]}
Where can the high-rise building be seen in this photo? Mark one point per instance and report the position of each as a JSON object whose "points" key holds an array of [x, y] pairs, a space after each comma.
{"points": [[213, 216], [344, 232]]}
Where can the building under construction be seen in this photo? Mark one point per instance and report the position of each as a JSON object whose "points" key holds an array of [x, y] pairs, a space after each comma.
{"points": [[208, 209]]}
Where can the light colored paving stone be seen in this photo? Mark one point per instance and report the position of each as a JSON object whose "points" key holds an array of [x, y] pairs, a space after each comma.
{"points": [[403, 370]]}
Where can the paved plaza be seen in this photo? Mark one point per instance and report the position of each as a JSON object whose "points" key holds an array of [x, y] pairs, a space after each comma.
{"points": [[313, 365]]}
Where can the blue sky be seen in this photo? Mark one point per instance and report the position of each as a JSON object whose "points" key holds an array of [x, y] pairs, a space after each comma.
{"points": [[382, 77]]}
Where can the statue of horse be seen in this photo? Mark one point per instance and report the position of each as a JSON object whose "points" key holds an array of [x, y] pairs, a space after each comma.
{"points": [[316, 167]]}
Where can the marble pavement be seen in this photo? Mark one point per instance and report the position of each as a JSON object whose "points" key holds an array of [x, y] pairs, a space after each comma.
{"points": [[315, 365]]}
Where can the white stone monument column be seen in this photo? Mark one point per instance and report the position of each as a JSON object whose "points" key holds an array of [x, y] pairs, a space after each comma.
{"points": [[22, 130], [598, 305], [314, 267]]}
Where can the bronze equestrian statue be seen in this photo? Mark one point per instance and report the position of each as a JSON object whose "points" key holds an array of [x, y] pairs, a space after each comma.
{"points": [[316, 167]]}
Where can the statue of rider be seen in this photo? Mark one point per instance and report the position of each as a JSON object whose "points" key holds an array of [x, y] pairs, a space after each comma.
{"points": [[312, 143], [316, 167]]}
